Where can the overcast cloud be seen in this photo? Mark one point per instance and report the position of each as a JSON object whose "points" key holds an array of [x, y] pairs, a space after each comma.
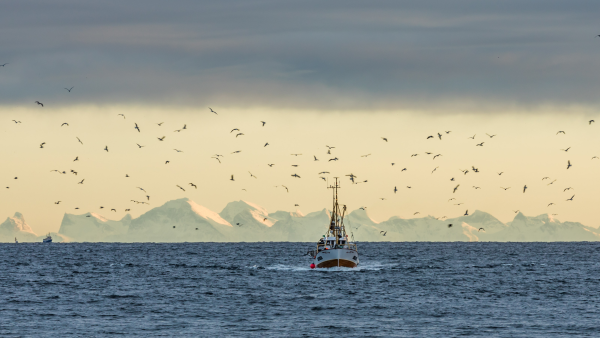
{"points": [[301, 55]]}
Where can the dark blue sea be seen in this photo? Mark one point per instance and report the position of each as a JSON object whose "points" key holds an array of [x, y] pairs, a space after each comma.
{"points": [[268, 290]]}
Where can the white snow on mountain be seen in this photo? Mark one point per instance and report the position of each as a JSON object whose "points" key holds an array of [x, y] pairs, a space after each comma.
{"points": [[184, 220]]}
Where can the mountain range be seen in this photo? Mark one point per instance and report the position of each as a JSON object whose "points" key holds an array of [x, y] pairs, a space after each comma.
{"points": [[183, 220]]}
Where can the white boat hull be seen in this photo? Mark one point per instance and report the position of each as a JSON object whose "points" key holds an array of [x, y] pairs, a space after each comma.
{"points": [[337, 257]]}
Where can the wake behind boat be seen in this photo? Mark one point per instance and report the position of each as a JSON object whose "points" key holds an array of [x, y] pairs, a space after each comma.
{"points": [[335, 248]]}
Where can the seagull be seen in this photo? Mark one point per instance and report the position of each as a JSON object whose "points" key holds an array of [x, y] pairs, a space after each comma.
{"points": [[238, 224], [329, 147], [569, 188], [239, 134], [481, 229], [437, 156], [217, 159], [385, 139], [179, 151], [591, 121], [263, 122], [271, 164], [449, 225], [64, 124], [333, 159], [324, 179], [384, 232], [42, 144], [408, 186], [414, 155], [115, 210], [3, 65], [395, 190], [295, 175], [545, 178], [382, 198], [295, 154], [569, 164], [161, 138], [515, 211], [505, 188], [434, 169], [566, 149], [139, 146], [324, 172], [193, 185], [480, 144], [570, 199], [595, 157], [15, 121], [212, 110], [430, 136], [476, 187], [121, 115], [316, 159], [475, 170], [524, 188], [440, 136], [451, 199], [252, 175], [453, 191], [136, 127], [106, 148], [39, 103], [78, 139], [160, 124], [286, 188], [81, 181], [500, 173], [69, 89], [365, 155], [472, 137], [490, 135], [142, 189], [403, 169], [550, 204], [166, 162], [466, 213], [231, 179], [76, 159], [237, 152], [551, 182], [560, 132], [266, 144], [58, 202], [180, 187]]}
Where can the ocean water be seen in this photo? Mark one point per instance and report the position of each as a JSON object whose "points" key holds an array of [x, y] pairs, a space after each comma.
{"points": [[268, 290]]}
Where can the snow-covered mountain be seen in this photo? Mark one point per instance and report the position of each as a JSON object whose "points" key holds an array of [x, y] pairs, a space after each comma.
{"points": [[184, 220]]}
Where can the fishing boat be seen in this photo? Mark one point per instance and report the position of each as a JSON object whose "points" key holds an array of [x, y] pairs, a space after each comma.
{"points": [[335, 249], [48, 239]]}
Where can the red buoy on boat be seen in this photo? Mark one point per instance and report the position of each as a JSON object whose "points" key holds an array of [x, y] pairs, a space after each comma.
{"points": [[312, 265]]}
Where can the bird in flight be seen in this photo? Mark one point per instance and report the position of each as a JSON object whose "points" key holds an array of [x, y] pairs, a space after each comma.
{"points": [[231, 179], [65, 123], [500, 173], [466, 213], [139, 146], [481, 229], [505, 188], [42, 144], [212, 110], [69, 89], [179, 151], [167, 162], [437, 156], [324, 172], [263, 122], [560, 132], [449, 225], [480, 144], [81, 181], [472, 137], [57, 202], [595, 157], [490, 135], [295, 175], [569, 188], [76, 159], [295, 154], [440, 136], [566, 149], [266, 144], [178, 186], [106, 148], [193, 185], [549, 204], [237, 152], [161, 138], [160, 124], [434, 169], [217, 159], [383, 233], [39, 103], [453, 198], [570, 199], [453, 191], [476, 187], [252, 175], [395, 190], [286, 188], [3, 65], [333, 159], [545, 178], [78, 139], [385, 139], [239, 134], [591, 121], [430, 136], [569, 164], [367, 155], [15, 121], [136, 127], [316, 159], [524, 188], [414, 155]]}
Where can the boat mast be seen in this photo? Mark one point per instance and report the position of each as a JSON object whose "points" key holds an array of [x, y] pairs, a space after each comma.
{"points": [[336, 225]]}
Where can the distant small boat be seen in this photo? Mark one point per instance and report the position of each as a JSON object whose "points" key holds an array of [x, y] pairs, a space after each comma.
{"points": [[16, 240], [48, 239]]}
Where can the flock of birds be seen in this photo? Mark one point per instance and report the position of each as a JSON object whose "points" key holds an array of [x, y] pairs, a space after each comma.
{"points": [[352, 178]]}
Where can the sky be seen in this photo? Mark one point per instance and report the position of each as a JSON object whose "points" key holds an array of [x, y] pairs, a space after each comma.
{"points": [[341, 74]]}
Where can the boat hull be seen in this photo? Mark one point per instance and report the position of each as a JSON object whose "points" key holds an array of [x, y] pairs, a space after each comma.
{"points": [[337, 257]]}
